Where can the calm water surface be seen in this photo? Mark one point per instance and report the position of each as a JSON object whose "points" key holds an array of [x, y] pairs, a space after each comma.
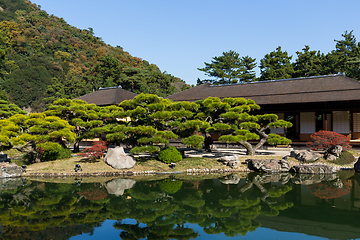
{"points": [[234, 206]]}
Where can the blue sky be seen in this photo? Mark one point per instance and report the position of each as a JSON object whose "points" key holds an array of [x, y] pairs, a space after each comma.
{"points": [[179, 36]]}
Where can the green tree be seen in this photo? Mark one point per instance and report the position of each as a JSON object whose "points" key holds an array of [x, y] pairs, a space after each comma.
{"points": [[349, 53], [65, 88], [231, 117], [276, 65], [107, 73], [85, 118], [26, 132], [249, 64], [27, 85], [332, 63], [226, 68], [308, 63], [154, 121], [8, 109], [5, 48]]}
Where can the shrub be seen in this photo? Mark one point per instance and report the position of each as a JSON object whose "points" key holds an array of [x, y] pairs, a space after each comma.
{"points": [[170, 186], [96, 151], [324, 140], [345, 158], [170, 154], [49, 151]]}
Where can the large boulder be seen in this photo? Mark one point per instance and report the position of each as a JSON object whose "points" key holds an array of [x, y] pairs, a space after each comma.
{"points": [[9, 170], [231, 161], [268, 165], [231, 179], [305, 156], [309, 179], [336, 150], [11, 183], [333, 153], [117, 158], [282, 177], [118, 186], [313, 169]]}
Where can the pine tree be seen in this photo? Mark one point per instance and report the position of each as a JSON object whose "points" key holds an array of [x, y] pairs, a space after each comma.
{"points": [[276, 65], [308, 63], [226, 69]]}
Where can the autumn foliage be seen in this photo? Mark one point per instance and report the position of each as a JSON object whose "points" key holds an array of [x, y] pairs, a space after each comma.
{"points": [[94, 194], [327, 190], [96, 151], [324, 140]]}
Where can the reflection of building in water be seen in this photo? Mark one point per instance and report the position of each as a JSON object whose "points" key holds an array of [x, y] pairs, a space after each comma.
{"points": [[356, 192], [334, 218]]}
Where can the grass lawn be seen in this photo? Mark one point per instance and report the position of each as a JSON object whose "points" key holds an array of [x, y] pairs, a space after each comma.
{"points": [[142, 164]]}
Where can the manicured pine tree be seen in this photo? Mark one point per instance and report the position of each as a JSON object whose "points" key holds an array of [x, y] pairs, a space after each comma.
{"points": [[86, 118], [8, 109], [232, 118], [154, 121], [26, 133]]}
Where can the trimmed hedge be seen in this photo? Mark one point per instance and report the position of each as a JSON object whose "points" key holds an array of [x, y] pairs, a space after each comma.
{"points": [[52, 151], [170, 154]]}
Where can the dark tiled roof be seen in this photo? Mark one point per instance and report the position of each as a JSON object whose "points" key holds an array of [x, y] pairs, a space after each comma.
{"points": [[108, 96], [296, 90]]}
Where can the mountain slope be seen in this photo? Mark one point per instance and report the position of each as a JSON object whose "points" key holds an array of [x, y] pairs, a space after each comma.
{"points": [[43, 58]]}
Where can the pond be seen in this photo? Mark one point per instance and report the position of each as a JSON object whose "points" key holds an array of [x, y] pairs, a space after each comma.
{"points": [[233, 206]]}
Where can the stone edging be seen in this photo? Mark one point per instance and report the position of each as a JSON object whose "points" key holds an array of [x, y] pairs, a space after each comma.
{"points": [[130, 173]]}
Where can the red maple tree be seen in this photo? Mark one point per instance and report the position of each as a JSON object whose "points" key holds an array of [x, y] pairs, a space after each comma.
{"points": [[96, 151], [326, 190], [324, 140]]}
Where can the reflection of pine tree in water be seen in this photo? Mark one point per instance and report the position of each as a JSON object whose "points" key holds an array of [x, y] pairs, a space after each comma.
{"points": [[161, 206], [170, 231], [42, 210], [216, 208]]}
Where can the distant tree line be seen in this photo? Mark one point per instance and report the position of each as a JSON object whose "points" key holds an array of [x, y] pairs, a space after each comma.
{"points": [[230, 67]]}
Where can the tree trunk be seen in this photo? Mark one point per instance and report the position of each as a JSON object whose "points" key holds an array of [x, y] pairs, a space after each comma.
{"points": [[76, 147], [263, 138], [249, 148]]}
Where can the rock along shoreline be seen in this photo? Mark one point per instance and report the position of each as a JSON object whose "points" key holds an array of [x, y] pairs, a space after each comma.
{"points": [[131, 173]]}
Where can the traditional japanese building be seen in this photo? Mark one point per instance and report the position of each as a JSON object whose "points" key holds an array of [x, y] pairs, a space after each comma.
{"points": [[329, 102], [108, 96]]}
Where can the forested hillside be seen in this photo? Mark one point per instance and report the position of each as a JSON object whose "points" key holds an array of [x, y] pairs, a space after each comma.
{"points": [[43, 58]]}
